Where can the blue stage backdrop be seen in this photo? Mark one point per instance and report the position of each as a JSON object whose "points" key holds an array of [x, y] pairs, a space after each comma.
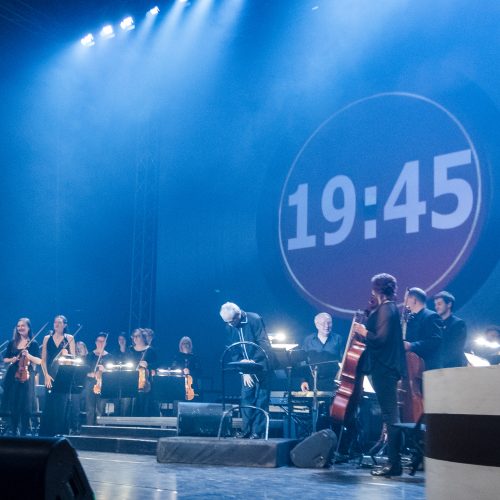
{"points": [[303, 145]]}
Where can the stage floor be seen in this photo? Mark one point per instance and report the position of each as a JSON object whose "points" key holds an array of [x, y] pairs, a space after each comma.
{"points": [[140, 477]]}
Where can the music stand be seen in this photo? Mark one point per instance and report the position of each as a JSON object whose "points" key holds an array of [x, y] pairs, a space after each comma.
{"points": [[121, 383], [169, 387], [69, 380], [329, 367], [289, 359]]}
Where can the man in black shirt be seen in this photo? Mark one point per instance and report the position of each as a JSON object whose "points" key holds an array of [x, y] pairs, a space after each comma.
{"points": [[424, 332], [454, 331], [249, 327], [320, 347]]}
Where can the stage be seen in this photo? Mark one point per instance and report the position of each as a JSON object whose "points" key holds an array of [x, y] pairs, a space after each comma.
{"points": [[131, 477]]}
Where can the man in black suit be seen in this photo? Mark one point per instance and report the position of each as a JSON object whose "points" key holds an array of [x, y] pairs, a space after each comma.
{"points": [[244, 327], [454, 331], [424, 332]]}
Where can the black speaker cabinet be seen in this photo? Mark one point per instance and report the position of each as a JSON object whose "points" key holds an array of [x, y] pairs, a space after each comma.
{"points": [[201, 419], [316, 451], [41, 468]]}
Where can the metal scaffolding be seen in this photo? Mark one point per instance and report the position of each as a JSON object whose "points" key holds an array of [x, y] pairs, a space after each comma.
{"points": [[145, 230]]}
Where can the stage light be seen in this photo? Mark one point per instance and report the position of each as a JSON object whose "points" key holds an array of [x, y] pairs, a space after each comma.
{"points": [[483, 342], [109, 366], [277, 337], [88, 40], [107, 31], [127, 24], [154, 11]]}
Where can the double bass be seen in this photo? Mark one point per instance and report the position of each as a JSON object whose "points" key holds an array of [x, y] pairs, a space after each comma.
{"points": [[350, 381], [411, 399]]}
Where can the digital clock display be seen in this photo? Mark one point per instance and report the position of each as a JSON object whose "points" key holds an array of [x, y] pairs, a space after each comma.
{"points": [[390, 183]]}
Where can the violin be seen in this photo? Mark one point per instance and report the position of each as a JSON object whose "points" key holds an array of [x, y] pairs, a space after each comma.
{"points": [[143, 384], [188, 384], [22, 373], [97, 373]]}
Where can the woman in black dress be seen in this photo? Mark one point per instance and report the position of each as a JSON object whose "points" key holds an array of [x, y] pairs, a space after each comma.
{"points": [[59, 343], [19, 396], [144, 358], [384, 361], [188, 362]]}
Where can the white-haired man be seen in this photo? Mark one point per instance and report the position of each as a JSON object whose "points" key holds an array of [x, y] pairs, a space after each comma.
{"points": [[249, 327], [323, 346]]}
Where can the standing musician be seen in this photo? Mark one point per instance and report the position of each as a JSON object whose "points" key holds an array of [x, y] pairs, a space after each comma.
{"points": [[144, 358], [122, 353], [424, 331], [96, 360], [255, 390], [19, 392], [150, 335], [454, 331], [189, 363], [54, 345], [326, 344], [384, 361]]}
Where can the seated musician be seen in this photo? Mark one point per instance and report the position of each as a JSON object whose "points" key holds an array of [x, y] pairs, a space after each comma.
{"points": [[324, 345], [96, 361], [188, 362]]}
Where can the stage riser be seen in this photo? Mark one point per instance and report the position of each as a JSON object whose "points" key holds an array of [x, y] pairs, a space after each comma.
{"points": [[114, 445], [229, 452], [130, 432], [275, 425]]}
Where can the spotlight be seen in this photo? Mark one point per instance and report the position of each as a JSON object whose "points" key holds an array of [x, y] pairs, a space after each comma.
{"points": [[127, 24], [107, 31], [154, 11], [88, 40]]}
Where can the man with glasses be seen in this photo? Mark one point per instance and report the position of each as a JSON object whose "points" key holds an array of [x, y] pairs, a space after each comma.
{"points": [[249, 327]]}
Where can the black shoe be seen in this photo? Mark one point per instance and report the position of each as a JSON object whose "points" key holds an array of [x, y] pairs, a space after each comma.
{"points": [[242, 435], [387, 471], [254, 435]]}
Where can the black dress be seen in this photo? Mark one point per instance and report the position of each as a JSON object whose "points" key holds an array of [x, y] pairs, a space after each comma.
{"points": [[192, 363], [55, 414], [19, 397], [141, 406], [385, 363]]}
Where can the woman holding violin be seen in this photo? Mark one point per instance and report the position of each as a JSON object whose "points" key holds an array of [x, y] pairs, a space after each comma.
{"points": [[58, 343], [144, 358], [23, 354], [190, 366], [384, 361], [96, 361]]}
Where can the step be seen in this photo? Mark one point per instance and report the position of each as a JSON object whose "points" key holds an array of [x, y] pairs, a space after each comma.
{"points": [[114, 444], [162, 422], [127, 431]]}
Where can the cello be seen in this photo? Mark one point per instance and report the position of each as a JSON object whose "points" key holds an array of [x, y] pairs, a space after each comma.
{"points": [[350, 381], [411, 398]]}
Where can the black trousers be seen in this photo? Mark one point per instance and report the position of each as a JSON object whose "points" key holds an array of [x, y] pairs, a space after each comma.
{"points": [[385, 386], [55, 414], [254, 421]]}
